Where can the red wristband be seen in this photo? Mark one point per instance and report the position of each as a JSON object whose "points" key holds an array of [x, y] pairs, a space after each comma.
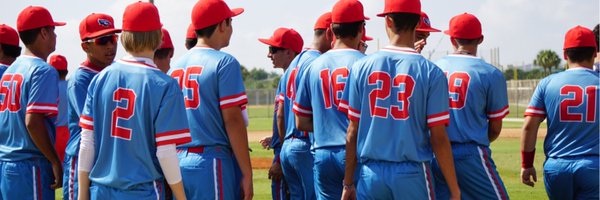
{"points": [[527, 159]]}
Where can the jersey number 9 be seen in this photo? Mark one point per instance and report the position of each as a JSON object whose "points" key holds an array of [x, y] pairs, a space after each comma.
{"points": [[458, 85]]}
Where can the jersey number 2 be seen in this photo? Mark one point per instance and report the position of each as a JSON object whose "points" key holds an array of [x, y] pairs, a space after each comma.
{"points": [[186, 82], [329, 85], [123, 113], [577, 101], [10, 90], [399, 107]]}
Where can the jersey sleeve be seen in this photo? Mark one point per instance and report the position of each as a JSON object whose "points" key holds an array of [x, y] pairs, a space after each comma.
{"points": [[171, 126], [86, 120], [77, 93], [437, 99], [536, 106], [231, 85], [497, 98], [343, 106], [281, 87], [43, 93], [302, 104], [353, 95]]}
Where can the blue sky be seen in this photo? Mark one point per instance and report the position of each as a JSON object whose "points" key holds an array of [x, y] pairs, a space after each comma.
{"points": [[520, 28]]}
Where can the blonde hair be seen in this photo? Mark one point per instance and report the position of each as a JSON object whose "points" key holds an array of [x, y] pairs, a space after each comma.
{"points": [[141, 41]]}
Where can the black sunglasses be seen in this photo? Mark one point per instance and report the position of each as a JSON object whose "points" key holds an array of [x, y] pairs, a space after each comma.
{"points": [[274, 50], [103, 40]]}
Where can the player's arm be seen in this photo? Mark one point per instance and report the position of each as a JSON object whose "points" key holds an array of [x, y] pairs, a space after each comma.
{"points": [[238, 137], [349, 189], [528, 140], [304, 123], [169, 163], [443, 154], [281, 122], [36, 127], [494, 128], [87, 152]]}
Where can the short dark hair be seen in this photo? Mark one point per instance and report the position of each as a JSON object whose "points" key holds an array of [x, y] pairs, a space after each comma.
{"points": [[10, 50], [466, 42], [190, 42], [163, 53], [62, 73], [28, 36], [208, 31], [346, 30], [580, 54], [405, 21], [320, 31], [597, 33]]}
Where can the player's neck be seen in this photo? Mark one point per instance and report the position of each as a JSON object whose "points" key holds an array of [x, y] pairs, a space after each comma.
{"points": [[210, 43], [346, 43], [584, 64], [143, 54], [7, 60], [466, 50], [403, 39], [32, 51]]}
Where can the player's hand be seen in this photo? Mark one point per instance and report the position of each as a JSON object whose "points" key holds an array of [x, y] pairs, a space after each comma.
{"points": [[58, 172], [419, 45], [349, 193], [247, 188], [266, 143], [275, 172], [527, 175]]}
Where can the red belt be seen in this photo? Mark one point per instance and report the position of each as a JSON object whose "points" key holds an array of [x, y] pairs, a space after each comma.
{"points": [[199, 149]]}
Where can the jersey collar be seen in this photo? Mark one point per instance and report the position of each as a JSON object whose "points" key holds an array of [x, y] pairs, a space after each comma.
{"points": [[403, 50], [90, 66], [579, 68], [203, 47], [139, 61], [30, 57], [4, 64], [342, 49], [463, 56]]}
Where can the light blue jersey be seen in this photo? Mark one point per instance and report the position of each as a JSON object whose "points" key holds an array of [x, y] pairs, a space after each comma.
{"points": [[3, 68], [396, 95], [211, 80], [319, 95], [29, 85], [477, 94], [275, 141], [62, 118], [132, 108], [569, 100]]}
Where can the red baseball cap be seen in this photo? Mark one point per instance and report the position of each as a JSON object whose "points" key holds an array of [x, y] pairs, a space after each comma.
{"points": [[425, 24], [345, 11], [580, 37], [464, 26], [210, 12], [285, 38], [35, 17], [59, 62], [401, 6], [364, 36], [166, 40], [324, 21], [141, 17], [8, 35], [191, 33], [97, 24]]}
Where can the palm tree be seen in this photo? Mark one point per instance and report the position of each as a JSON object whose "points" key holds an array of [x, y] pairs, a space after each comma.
{"points": [[547, 59]]}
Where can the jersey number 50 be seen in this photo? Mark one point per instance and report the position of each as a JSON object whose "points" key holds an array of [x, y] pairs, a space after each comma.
{"points": [[328, 84], [10, 90], [124, 113], [187, 82], [577, 101], [398, 108]]}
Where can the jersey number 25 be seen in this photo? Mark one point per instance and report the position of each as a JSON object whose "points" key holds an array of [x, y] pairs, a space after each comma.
{"points": [[187, 82]]}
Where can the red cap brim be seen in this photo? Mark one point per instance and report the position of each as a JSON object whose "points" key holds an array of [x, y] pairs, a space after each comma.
{"points": [[428, 30], [367, 18], [59, 23], [236, 11], [381, 14], [267, 42], [447, 32], [103, 32]]}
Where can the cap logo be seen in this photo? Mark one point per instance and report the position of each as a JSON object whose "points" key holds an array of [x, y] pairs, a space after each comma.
{"points": [[104, 22], [426, 21]]}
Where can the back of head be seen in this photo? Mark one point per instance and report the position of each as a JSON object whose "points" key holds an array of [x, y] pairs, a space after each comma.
{"points": [[166, 49], [465, 29], [141, 28], [580, 45], [31, 21], [404, 13], [597, 34], [9, 41], [206, 14], [347, 19]]}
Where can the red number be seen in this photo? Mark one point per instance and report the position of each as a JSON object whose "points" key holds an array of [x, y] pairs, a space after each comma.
{"points": [[333, 84], [10, 88], [401, 112], [124, 113], [577, 101], [187, 82], [379, 93], [291, 84], [458, 84]]}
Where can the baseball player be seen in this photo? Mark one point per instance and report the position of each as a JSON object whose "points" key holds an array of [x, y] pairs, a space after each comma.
{"points": [[190, 37], [59, 63], [597, 59], [296, 157], [284, 45], [9, 47], [319, 96], [214, 94], [398, 109], [131, 121], [30, 166], [478, 103], [423, 31], [569, 100], [164, 53], [99, 42]]}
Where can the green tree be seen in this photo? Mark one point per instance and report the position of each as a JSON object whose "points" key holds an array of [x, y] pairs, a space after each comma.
{"points": [[547, 59], [258, 74], [245, 73]]}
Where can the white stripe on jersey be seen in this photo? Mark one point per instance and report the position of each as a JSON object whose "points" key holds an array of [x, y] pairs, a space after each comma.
{"points": [[49, 108], [156, 190], [227, 101], [297, 108], [85, 121], [487, 171], [354, 114], [501, 113], [35, 197], [427, 183], [529, 110], [440, 118], [216, 183], [170, 137]]}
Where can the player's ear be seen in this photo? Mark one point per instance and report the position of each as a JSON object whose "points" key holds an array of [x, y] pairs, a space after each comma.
{"points": [[389, 22], [84, 46], [480, 40], [453, 41]]}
